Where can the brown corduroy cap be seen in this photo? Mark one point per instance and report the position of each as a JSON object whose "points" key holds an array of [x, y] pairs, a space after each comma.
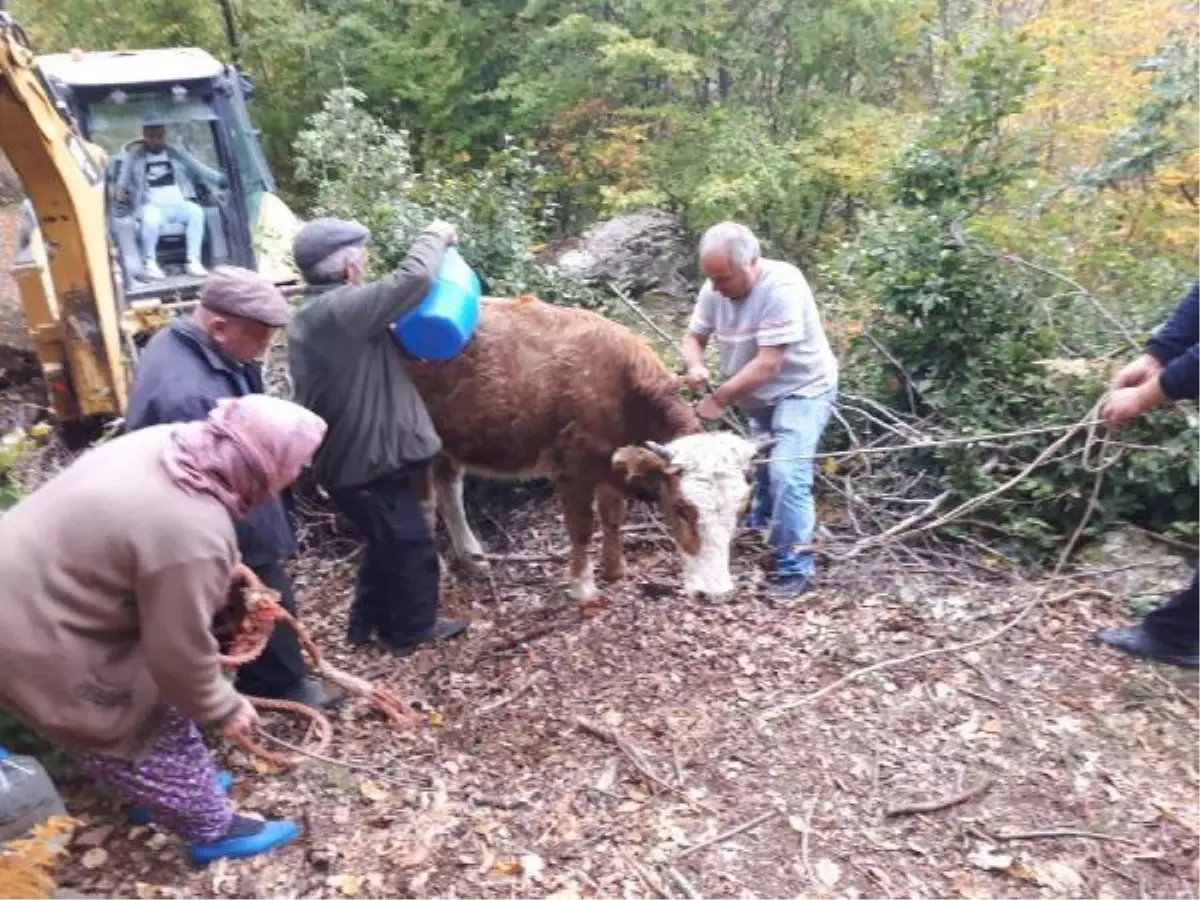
{"points": [[232, 291]]}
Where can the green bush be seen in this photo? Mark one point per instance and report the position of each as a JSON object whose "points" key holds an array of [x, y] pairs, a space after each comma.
{"points": [[965, 337], [358, 168]]}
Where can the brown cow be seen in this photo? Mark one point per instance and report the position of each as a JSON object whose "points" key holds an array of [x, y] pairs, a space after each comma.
{"points": [[564, 393]]}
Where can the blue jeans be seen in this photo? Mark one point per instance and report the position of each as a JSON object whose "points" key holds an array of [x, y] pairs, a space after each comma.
{"points": [[783, 493], [187, 213]]}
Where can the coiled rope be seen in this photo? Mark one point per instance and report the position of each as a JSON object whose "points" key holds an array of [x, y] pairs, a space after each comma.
{"points": [[263, 613]]}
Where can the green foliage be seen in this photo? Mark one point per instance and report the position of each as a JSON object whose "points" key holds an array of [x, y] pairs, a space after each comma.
{"points": [[15, 445], [358, 168], [911, 155], [1164, 129], [966, 337], [964, 158]]}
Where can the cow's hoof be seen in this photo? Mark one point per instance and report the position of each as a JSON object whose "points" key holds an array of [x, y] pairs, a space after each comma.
{"points": [[613, 571], [583, 589]]}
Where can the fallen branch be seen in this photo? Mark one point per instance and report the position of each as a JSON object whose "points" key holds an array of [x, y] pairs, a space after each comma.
{"points": [[627, 747], [504, 701], [1083, 523], [924, 512], [776, 711], [929, 806], [684, 885], [1050, 834], [726, 835], [647, 877], [373, 771]]}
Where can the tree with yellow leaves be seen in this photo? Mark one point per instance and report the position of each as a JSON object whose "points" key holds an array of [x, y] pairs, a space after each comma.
{"points": [[27, 865]]}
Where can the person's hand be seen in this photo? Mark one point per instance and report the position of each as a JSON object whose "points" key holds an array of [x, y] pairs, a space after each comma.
{"points": [[243, 723], [696, 377], [1137, 373], [710, 409], [1126, 404], [445, 231]]}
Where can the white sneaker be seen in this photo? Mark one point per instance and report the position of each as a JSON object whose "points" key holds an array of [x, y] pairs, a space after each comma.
{"points": [[151, 271], [196, 270]]}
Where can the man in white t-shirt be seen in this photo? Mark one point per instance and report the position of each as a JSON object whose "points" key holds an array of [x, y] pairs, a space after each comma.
{"points": [[780, 370], [159, 181]]}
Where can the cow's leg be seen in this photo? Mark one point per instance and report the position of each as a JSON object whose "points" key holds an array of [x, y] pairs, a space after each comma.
{"points": [[424, 486], [577, 500], [467, 549], [611, 506]]}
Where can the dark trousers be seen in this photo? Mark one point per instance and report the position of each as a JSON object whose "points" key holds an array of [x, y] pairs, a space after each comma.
{"points": [[1177, 622], [397, 590], [281, 665]]}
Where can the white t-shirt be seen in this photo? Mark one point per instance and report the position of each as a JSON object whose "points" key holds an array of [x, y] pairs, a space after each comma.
{"points": [[160, 180], [780, 310]]}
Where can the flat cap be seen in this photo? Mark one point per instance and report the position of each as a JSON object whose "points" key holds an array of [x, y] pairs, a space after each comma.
{"points": [[233, 291], [321, 237]]}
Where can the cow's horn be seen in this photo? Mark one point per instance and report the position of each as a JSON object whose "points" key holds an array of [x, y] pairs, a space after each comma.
{"points": [[659, 449]]}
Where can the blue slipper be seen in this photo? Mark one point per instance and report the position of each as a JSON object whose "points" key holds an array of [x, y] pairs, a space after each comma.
{"points": [[247, 837], [139, 815]]}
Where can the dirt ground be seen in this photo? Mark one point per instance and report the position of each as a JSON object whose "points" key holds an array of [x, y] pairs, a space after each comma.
{"points": [[622, 750]]}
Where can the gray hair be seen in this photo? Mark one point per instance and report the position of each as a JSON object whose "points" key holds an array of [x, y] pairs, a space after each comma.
{"points": [[733, 240], [332, 268]]}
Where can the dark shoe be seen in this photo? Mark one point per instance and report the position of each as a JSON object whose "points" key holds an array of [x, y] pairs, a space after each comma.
{"points": [[311, 692], [786, 588], [139, 815], [1137, 641], [246, 837], [442, 630]]}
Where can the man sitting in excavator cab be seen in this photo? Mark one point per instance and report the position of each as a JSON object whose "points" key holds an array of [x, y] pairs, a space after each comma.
{"points": [[159, 182]]}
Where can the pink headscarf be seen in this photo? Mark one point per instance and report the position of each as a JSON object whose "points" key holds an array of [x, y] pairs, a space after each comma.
{"points": [[246, 450]]}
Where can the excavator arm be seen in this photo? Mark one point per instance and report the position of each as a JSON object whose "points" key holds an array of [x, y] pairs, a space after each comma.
{"points": [[73, 315]]}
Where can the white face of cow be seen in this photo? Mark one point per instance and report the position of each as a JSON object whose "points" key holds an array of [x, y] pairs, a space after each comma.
{"points": [[702, 486]]}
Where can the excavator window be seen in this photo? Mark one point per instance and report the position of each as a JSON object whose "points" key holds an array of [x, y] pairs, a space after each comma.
{"points": [[189, 124]]}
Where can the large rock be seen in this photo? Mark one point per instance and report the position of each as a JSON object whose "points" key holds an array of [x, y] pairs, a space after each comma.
{"points": [[648, 251], [1155, 571]]}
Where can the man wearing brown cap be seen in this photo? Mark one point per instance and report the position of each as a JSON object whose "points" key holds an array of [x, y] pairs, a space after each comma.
{"points": [[348, 370], [182, 373]]}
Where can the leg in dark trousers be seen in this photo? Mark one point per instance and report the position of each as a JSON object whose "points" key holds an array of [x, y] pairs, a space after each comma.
{"points": [[1169, 634], [281, 667], [1177, 622], [397, 591]]}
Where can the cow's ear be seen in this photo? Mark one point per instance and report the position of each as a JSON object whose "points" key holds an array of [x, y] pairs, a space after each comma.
{"points": [[642, 469]]}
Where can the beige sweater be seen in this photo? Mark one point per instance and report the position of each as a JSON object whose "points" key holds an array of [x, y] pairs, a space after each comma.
{"points": [[109, 578]]}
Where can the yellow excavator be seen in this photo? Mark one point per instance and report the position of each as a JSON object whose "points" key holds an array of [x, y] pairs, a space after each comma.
{"points": [[67, 124]]}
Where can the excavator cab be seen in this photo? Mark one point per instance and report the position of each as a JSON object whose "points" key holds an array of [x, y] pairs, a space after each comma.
{"points": [[186, 181], [126, 158]]}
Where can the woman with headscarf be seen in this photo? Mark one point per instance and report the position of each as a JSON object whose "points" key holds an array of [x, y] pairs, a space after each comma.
{"points": [[110, 575]]}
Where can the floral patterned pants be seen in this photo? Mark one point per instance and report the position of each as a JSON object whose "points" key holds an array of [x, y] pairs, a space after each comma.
{"points": [[175, 781]]}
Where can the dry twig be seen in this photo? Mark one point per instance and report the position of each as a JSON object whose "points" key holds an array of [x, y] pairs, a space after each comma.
{"points": [[684, 885], [726, 835], [940, 803], [1051, 833], [627, 747]]}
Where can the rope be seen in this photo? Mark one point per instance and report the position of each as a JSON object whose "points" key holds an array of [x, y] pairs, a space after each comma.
{"points": [[263, 614], [1089, 423]]}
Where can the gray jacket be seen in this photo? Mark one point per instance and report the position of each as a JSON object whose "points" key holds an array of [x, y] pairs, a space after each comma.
{"points": [[347, 368], [185, 166]]}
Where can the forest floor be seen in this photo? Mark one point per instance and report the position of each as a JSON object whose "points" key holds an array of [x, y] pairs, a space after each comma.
{"points": [[622, 749]]}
